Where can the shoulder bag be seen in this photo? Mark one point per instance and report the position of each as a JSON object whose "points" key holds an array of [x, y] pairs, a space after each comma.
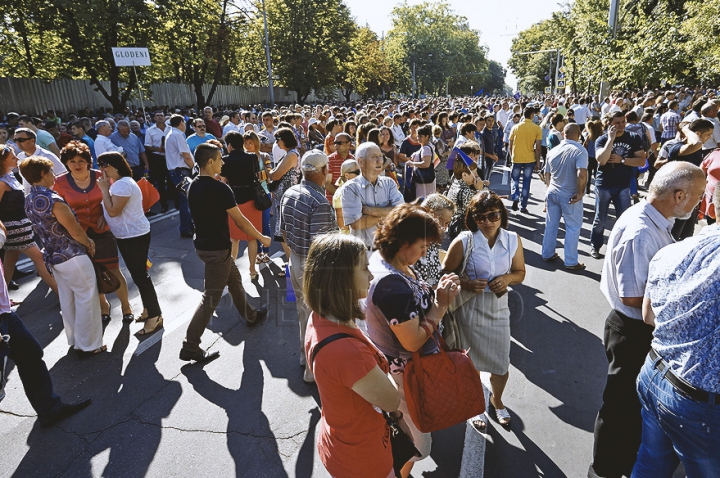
{"points": [[457, 222], [424, 175], [262, 201], [451, 330], [442, 389], [107, 282], [402, 445]]}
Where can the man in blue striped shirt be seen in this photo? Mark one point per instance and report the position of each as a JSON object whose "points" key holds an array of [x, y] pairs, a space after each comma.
{"points": [[306, 213]]}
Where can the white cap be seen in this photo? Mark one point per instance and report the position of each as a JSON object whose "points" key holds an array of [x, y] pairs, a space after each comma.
{"points": [[313, 160]]}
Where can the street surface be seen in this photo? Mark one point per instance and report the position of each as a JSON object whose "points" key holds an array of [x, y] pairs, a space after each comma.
{"points": [[250, 414]]}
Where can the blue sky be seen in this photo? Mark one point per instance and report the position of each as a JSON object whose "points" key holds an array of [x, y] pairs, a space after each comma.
{"points": [[499, 22]]}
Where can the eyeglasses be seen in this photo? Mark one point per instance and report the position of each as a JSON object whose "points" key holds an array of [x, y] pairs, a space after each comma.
{"points": [[22, 140], [356, 172], [491, 216], [102, 165]]}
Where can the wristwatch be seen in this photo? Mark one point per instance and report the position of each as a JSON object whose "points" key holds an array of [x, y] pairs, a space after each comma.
{"points": [[622, 161]]}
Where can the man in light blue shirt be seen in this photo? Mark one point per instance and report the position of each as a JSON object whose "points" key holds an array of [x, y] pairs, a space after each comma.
{"points": [[132, 148], [565, 175], [679, 384], [370, 197], [200, 135]]}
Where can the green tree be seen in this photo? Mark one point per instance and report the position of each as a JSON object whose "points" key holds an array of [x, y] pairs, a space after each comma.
{"points": [[441, 45], [367, 70], [309, 39]]}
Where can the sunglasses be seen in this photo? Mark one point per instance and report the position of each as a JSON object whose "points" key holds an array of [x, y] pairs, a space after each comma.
{"points": [[356, 172], [103, 165], [491, 216], [22, 140]]}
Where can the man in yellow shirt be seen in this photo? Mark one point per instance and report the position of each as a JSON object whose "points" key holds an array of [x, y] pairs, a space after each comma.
{"points": [[525, 139]]}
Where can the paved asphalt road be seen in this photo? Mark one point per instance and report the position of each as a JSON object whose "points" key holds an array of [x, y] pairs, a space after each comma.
{"points": [[250, 414]]}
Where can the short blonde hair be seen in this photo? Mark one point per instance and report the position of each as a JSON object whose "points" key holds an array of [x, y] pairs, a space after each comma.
{"points": [[329, 277]]}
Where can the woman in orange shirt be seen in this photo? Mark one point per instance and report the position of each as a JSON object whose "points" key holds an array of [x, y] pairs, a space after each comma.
{"points": [[351, 374], [78, 187]]}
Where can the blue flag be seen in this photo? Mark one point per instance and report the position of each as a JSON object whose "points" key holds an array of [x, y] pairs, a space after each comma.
{"points": [[453, 156]]}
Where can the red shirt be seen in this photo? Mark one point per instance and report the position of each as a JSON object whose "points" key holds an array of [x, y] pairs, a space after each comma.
{"points": [[63, 140], [354, 438], [87, 205], [335, 163], [214, 128]]}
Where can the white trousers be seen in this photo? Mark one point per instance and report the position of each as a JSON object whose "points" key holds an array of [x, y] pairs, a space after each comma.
{"points": [[77, 287]]}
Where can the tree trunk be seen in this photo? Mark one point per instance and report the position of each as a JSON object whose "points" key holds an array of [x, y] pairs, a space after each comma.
{"points": [[347, 93]]}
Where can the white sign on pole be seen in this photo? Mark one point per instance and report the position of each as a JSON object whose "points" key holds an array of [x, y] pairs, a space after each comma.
{"points": [[131, 56]]}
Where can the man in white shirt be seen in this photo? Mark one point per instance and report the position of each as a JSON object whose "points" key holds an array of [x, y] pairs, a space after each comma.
{"points": [[233, 124], [504, 114], [710, 112], [25, 139], [155, 150], [179, 162], [605, 108], [582, 113], [102, 142], [397, 130]]}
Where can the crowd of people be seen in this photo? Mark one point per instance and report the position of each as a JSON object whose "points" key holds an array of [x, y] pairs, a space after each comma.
{"points": [[363, 198]]}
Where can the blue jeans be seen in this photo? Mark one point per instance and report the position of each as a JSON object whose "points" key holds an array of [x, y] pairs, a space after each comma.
{"points": [[186, 224], [27, 354], [675, 429], [526, 169], [559, 206], [620, 197]]}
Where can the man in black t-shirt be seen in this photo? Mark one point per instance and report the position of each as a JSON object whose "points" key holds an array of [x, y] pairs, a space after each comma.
{"points": [[210, 202], [617, 152]]}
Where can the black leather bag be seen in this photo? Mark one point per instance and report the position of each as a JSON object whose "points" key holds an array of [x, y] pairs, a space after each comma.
{"points": [[403, 448], [262, 201]]}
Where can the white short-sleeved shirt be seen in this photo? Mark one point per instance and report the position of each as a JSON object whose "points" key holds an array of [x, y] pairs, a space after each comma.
{"points": [[175, 145], [487, 262], [131, 222]]}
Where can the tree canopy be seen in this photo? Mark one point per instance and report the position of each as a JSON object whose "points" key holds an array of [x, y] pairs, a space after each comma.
{"points": [[316, 45], [658, 42]]}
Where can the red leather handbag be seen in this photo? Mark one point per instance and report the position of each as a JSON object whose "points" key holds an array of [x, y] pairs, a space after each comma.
{"points": [[442, 389]]}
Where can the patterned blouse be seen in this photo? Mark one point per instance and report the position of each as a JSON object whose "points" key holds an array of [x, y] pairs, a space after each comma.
{"points": [[429, 267], [59, 244]]}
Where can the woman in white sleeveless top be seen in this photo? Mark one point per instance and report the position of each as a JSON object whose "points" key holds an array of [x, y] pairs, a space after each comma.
{"points": [[490, 258]]}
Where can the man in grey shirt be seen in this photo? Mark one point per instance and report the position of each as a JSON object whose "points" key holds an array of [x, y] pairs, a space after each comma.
{"points": [[638, 234], [565, 175], [368, 198]]}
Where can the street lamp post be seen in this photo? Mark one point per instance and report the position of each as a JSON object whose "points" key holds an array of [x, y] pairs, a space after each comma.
{"points": [[267, 53]]}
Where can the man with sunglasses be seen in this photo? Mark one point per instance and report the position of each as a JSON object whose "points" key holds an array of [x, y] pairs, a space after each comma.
{"points": [[335, 161], [25, 139], [200, 136]]}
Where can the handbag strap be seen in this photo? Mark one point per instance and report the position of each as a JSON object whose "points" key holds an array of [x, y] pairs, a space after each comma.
{"points": [[327, 340], [467, 250]]}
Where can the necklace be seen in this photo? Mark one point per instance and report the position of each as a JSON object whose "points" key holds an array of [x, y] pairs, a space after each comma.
{"points": [[78, 181]]}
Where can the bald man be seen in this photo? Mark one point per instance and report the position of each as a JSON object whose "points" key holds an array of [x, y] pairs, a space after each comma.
{"points": [[638, 235], [565, 176]]}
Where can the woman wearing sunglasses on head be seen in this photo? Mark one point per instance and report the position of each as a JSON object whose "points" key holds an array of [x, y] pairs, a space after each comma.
{"points": [[495, 260]]}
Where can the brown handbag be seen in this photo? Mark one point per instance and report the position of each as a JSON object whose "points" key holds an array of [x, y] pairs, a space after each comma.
{"points": [[442, 389], [107, 281]]}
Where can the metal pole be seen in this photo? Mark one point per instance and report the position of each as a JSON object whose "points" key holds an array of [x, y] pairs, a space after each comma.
{"points": [[557, 69], [414, 84], [142, 104], [267, 53], [612, 25], [447, 86]]}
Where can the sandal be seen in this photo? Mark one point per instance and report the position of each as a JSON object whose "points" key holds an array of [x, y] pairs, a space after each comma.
{"points": [[479, 423], [106, 317], [282, 272], [127, 318], [147, 331], [502, 415], [142, 317], [90, 353], [253, 277], [262, 258]]}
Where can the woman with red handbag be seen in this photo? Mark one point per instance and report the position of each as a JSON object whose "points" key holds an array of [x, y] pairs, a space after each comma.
{"points": [[400, 303]]}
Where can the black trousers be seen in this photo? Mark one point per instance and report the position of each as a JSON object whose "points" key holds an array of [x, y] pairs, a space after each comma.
{"points": [[160, 178], [135, 254], [618, 427]]}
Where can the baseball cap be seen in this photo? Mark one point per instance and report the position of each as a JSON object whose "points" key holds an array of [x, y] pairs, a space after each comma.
{"points": [[313, 160]]}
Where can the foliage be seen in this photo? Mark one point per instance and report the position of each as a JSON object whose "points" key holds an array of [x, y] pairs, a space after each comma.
{"points": [[657, 42], [440, 44], [367, 70]]}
